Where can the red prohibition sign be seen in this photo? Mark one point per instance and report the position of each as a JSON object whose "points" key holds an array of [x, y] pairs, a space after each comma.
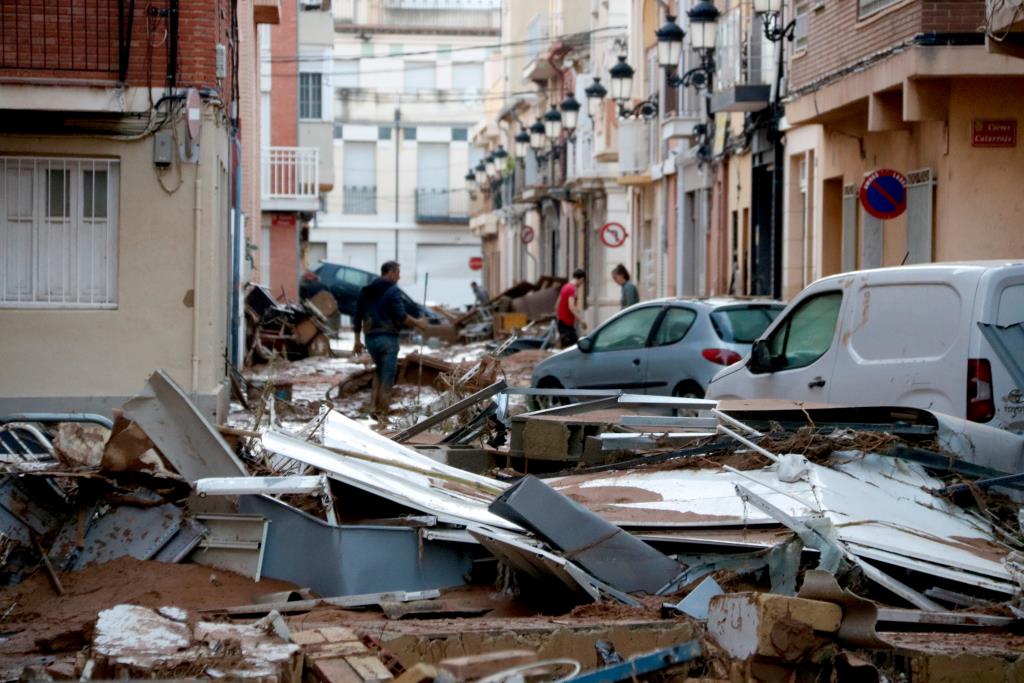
{"points": [[526, 236], [613, 235], [883, 194]]}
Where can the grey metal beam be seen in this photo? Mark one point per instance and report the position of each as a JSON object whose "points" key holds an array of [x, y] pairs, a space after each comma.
{"points": [[451, 411]]}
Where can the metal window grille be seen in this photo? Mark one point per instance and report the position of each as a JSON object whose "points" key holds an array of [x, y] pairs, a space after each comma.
{"points": [[360, 199], [58, 242], [310, 95]]}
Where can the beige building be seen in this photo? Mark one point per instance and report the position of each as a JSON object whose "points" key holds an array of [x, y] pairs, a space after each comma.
{"points": [[116, 207], [879, 84]]}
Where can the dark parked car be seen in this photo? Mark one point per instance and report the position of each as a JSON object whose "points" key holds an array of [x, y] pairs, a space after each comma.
{"points": [[345, 283]]}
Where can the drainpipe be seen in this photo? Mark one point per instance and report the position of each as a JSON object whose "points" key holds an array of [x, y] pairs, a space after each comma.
{"points": [[197, 219], [236, 253]]}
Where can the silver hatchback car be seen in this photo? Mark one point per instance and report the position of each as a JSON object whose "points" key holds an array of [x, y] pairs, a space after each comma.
{"points": [[667, 346]]}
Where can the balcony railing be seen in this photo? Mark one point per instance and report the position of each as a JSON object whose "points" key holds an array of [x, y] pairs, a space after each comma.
{"points": [[422, 14], [359, 199], [290, 179], [442, 206], [67, 35]]}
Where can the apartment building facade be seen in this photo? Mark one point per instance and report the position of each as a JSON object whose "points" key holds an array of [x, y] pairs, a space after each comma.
{"points": [[122, 186], [908, 86], [403, 89], [296, 162]]}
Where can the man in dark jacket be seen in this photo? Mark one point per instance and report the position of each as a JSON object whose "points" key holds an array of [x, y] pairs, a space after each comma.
{"points": [[380, 315]]}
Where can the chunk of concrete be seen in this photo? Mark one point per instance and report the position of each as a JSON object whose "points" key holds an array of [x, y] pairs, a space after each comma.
{"points": [[750, 624]]}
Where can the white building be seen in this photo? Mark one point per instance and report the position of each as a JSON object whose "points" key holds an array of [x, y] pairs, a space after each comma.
{"points": [[415, 67]]}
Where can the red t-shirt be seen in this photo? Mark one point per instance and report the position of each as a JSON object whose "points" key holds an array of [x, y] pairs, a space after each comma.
{"points": [[564, 311]]}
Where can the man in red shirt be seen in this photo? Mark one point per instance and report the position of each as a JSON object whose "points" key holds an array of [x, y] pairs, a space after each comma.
{"points": [[568, 310]]}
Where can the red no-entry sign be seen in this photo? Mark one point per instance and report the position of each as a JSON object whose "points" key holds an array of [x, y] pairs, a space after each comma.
{"points": [[883, 194], [476, 263], [613, 235]]}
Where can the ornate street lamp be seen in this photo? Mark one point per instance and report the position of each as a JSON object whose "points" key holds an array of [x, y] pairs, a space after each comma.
{"points": [[500, 155], [471, 181], [570, 112], [622, 81], [522, 144], [703, 25], [595, 96], [770, 12], [489, 167], [537, 136], [670, 42], [553, 124], [481, 174]]}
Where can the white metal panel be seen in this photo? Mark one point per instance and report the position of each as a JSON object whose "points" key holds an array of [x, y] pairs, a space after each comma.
{"points": [[413, 489], [870, 241], [920, 215], [360, 255], [432, 165], [849, 228]]}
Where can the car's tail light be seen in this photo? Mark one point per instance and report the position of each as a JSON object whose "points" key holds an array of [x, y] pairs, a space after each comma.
{"points": [[721, 356], [980, 406]]}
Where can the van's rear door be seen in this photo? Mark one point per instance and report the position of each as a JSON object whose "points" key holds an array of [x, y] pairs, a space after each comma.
{"points": [[1001, 303], [903, 343]]}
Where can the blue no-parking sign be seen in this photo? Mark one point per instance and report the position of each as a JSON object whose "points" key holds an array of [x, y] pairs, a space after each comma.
{"points": [[883, 194]]}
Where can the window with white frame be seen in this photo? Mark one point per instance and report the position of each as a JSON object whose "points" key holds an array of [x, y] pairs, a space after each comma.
{"points": [[310, 95], [800, 14], [418, 76], [346, 73], [58, 242], [866, 7], [468, 76]]}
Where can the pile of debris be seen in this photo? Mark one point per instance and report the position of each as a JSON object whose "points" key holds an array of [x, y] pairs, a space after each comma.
{"points": [[291, 331], [737, 542]]}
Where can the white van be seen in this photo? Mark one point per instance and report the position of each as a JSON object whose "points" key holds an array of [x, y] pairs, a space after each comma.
{"points": [[904, 336]]}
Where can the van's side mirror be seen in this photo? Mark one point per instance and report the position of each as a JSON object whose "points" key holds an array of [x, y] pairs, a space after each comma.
{"points": [[585, 344], [760, 357]]}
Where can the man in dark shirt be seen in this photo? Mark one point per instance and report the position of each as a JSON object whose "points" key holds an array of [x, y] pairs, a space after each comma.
{"points": [[380, 316]]}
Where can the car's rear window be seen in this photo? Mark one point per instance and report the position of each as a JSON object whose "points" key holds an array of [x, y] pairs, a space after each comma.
{"points": [[743, 324]]}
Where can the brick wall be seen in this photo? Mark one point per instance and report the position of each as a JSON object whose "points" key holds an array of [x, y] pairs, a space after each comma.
{"points": [[837, 37], [60, 40], [284, 74]]}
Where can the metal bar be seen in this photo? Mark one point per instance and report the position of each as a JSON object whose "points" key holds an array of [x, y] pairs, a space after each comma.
{"points": [[238, 486], [534, 391], [724, 417], [1013, 480], [671, 401], [47, 418], [666, 421], [451, 411], [641, 665], [347, 601], [748, 443], [618, 441]]}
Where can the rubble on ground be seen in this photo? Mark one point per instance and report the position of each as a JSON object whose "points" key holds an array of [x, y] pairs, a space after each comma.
{"points": [[611, 538]]}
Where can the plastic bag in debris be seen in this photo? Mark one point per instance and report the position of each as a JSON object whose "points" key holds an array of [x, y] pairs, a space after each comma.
{"points": [[791, 467]]}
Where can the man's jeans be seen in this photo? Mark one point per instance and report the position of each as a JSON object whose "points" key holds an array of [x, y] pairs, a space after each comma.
{"points": [[383, 349]]}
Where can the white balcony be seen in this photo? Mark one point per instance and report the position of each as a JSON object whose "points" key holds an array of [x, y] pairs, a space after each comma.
{"points": [[290, 179]]}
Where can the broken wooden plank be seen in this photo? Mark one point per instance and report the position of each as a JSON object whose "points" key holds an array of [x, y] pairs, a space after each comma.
{"points": [[370, 669], [451, 411]]}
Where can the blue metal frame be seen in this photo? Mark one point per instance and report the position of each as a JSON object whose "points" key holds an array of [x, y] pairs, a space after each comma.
{"points": [[642, 664]]}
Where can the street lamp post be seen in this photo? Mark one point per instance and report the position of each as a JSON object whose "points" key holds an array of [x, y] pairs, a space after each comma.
{"points": [[776, 30]]}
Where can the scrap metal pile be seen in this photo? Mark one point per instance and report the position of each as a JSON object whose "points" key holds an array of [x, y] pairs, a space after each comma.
{"points": [[777, 541]]}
